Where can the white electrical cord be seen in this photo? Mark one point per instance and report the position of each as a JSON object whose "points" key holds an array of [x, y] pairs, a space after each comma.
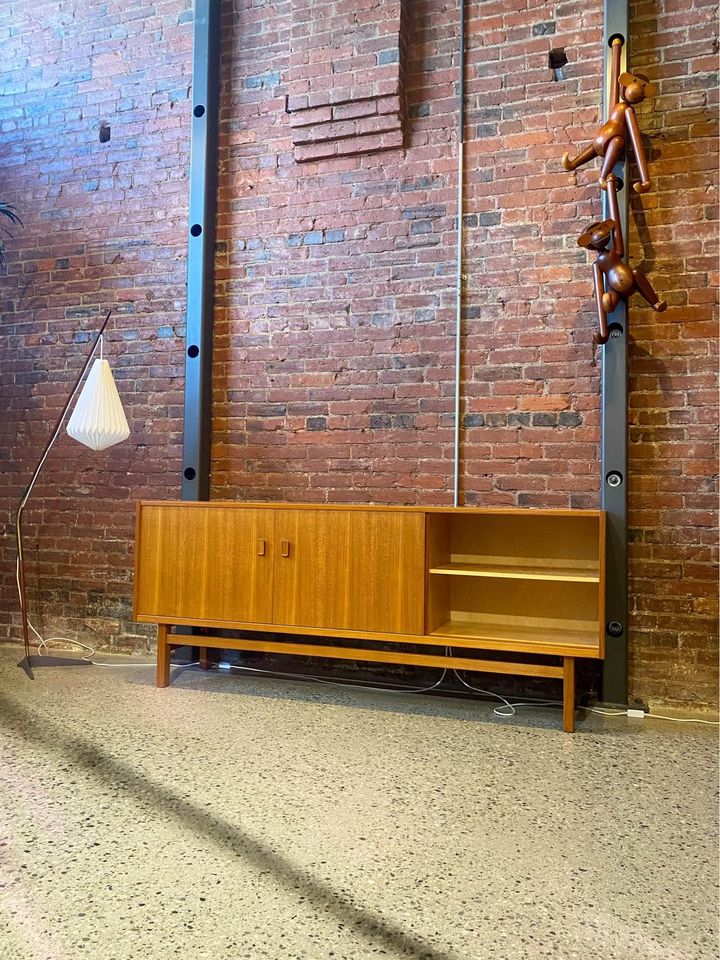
{"points": [[506, 708], [44, 643], [507, 705], [659, 716]]}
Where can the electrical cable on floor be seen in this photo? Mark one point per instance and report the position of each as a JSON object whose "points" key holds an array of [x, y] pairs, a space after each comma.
{"points": [[659, 716], [499, 711], [44, 643], [173, 663], [360, 684], [506, 704]]}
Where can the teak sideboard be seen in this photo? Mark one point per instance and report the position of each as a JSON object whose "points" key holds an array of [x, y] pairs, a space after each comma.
{"points": [[448, 580]]}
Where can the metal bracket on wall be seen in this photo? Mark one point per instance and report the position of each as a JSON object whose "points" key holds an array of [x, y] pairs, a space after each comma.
{"points": [[201, 251], [614, 478]]}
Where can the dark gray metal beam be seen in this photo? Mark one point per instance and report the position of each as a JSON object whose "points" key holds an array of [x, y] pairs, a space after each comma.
{"points": [[614, 478], [201, 251]]}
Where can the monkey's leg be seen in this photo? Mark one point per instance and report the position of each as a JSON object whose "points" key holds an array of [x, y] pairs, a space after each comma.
{"points": [[645, 289], [613, 152], [636, 140], [572, 164], [618, 242]]}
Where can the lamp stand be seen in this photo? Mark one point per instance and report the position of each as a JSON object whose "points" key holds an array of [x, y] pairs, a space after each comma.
{"points": [[29, 661]]}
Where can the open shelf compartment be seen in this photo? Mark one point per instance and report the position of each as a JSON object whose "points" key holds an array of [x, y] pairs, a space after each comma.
{"points": [[516, 578]]}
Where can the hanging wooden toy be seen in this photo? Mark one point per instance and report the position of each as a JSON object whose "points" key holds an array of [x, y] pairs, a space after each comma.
{"points": [[621, 124], [620, 279]]}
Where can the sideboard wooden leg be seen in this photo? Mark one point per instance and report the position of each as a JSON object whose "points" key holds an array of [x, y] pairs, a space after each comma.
{"points": [[569, 694], [163, 657], [205, 660]]}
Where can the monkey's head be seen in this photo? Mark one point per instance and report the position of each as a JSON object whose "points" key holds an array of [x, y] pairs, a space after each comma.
{"points": [[597, 235], [635, 87]]}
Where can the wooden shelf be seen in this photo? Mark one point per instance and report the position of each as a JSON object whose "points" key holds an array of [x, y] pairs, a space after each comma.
{"points": [[541, 632], [518, 568]]}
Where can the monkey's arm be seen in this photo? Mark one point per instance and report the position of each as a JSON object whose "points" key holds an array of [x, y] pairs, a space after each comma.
{"points": [[617, 46], [602, 335], [634, 133], [618, 242]]}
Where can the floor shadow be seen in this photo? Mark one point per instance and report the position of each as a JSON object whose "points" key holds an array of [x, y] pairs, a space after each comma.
{"points": [[223, 833]]}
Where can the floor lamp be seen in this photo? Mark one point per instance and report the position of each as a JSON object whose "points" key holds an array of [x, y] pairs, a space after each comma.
{"points": [[98, 421]]}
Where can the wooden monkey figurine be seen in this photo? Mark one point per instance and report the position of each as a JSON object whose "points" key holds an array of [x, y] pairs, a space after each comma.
{"points": [[609, 141], [621, 279]]}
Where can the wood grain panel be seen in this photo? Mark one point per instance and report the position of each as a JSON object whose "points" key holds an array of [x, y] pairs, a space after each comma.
{"points": [[356, 570], [437, 589], [523, 632], [473, 598], [197, 564], [528, 535]]}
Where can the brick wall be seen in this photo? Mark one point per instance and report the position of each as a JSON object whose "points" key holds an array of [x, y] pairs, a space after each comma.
{"points": [[105, 226], [673, 362], [335, 291]]}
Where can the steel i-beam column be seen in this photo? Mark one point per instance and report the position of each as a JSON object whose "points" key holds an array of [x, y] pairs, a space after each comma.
{"points": [[201, 251], [614, 419]]}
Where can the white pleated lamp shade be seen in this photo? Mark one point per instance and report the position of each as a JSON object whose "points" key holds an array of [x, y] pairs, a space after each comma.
{"points": [[98, 419]]}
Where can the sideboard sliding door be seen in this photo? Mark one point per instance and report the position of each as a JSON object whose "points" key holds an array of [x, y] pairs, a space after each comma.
{"points": [[350, 570], [208, 563]]}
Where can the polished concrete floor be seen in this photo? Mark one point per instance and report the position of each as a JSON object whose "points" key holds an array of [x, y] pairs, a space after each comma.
{"points": [[232, 816]]}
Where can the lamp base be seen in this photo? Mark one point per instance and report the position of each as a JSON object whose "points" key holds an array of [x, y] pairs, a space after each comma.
{"points": [[27, 663]]}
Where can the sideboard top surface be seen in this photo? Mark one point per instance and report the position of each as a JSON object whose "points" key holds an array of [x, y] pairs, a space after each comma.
{"points": [[275, 505]]}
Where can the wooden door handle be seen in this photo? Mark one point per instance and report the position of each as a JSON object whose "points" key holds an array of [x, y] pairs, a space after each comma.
{"points": [[261, 548], [285, 548]]}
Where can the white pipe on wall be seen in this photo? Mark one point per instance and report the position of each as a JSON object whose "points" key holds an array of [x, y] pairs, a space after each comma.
{"points": [[459, 255]]}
